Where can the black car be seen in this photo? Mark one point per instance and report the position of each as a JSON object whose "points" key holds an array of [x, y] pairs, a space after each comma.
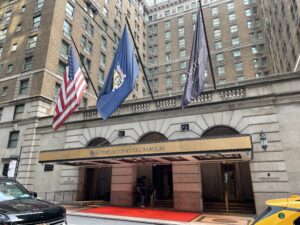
{"points": [[19, 206]]}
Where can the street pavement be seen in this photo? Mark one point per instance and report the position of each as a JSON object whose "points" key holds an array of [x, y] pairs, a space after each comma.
{"points": [[79, 220], [76, 217]]}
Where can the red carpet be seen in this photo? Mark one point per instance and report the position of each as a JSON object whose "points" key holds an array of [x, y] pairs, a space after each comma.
{"points": [[144, 213]]}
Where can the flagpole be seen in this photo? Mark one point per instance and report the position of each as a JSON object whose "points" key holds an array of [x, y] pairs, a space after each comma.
{"points": [[140, 59], [85, 68], [207, 46]]}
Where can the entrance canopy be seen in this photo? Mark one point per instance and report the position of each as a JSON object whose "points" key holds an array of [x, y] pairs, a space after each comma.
{"points": [[236, 148]]}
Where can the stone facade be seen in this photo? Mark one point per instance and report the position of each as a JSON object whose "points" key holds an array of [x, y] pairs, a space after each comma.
{"points": [[268, 105]]}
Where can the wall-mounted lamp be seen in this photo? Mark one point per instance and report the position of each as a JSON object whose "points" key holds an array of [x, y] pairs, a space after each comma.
{"points": [[263, 140], [121, 133]]}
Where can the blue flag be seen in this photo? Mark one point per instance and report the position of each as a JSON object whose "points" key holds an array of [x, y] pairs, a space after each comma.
{"points": [[195, 79], [121, 78]]}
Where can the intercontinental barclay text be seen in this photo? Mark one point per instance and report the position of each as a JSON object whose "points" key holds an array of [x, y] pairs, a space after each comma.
{"points": [[129, 151]]}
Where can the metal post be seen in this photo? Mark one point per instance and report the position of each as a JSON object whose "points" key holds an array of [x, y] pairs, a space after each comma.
{"points": [[207, 46], [87, 73], [140, 59]]}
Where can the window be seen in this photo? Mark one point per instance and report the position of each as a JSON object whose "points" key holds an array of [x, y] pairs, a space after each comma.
{"points": [[61, 68], [28, 63], [36, 22], [236, 53], [219, 57], [67, 28], [230, 7], [182, 43], [69, 10], [1, 113], [254, 50], [13, 139], [7, 16], [19, 27], [182, 65], [238, 67], [181, 54], [23, 8], [32, 42], [232, 18], [180, 9], [168, 35], [5, 169], [167, 25], [216, 22], [105, 12], [214, 11], [168, 68], [102, 59], [64, 49], [4, 91], [101, 75], [168, 57], [180, 21], [14, 47], [221, 71], [19, 109], [9, 68], [168, 82], [103, 43], [217, 34], [24, 87], [181, 32], [167, 46], [167, 13], [218, 45], [3, 34], [235, 41], [194, 17], [250, 24], [183, 79], [48, 167], [233, 29], [39, 4], [240, 78], [56, 90], [248, 12]]}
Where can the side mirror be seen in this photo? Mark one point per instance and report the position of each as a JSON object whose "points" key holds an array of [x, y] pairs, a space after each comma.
{"points": [[34, 194]]}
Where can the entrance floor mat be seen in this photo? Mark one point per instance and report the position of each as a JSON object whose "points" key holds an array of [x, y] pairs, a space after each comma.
{"points": [[144, 213]]}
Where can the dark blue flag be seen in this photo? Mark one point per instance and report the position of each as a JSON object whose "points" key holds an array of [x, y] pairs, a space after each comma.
{"points": [[196, 73], [121, 78]]}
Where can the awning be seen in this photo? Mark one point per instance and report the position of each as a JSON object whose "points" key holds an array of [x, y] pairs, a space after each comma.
{"points": [[212, 149]]}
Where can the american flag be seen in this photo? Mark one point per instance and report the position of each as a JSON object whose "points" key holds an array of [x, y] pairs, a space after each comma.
{"points": [[71, 92]]}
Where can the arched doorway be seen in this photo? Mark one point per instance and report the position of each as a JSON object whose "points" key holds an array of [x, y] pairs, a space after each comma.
{"points": [[227, 185], [95, 180], [159, 175]]}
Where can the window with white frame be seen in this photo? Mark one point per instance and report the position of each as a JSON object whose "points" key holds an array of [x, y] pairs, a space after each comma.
{"points": [[32, 42], [69, 10]]}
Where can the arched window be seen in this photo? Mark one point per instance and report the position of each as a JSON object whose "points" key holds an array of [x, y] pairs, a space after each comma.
{"points": [[152, 137], [219, 131], [97, 142]]}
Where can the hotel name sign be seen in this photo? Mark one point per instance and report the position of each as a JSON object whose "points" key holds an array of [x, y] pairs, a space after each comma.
{"points": [[192, 146]]}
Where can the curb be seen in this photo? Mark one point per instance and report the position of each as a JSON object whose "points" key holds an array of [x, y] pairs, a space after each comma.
{"points": [[126, 218]]}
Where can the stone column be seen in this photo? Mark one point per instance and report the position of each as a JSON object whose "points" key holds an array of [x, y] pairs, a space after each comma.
{"points": [[123, 185], [187, 187]]}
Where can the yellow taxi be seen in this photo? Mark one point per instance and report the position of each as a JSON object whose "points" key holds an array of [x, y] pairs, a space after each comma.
{"points": [[285, 211]]}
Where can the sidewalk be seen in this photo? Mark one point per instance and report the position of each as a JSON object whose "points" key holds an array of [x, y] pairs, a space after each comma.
{"points": [[203, 219]]}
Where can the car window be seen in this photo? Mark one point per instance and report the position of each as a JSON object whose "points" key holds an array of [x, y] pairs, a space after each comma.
{"points": [[297, 221], [10, 191]]}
